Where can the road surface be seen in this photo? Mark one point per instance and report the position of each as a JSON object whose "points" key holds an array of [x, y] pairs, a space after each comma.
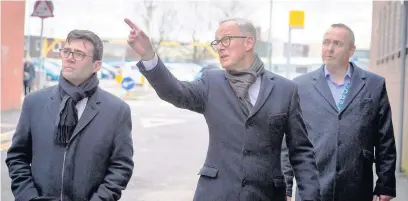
{"points": [[170, 146]]}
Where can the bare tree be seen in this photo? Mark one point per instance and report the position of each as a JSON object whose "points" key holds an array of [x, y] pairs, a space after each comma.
{"points": [[199, 22], [158, 19], [230, 9], [204, 17]]}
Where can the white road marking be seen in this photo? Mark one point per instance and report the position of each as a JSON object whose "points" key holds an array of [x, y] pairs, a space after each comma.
{"points": [[156, 122]]}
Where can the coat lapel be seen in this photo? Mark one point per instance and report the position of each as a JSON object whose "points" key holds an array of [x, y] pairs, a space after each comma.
{"points": [[320, 83], [91, 110], [267, 82], [357, 83], [53, 105]]}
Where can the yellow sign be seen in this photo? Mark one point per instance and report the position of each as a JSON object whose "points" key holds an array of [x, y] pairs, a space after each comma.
{"points": [[296, 19], [118, 78]]}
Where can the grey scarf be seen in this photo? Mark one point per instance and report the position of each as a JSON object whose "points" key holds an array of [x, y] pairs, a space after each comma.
{"points": [[70, 95], [241, 80]]}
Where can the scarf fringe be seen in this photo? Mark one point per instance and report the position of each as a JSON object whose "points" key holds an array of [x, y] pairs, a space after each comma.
{"points": [[67, 116], [64, 134]]}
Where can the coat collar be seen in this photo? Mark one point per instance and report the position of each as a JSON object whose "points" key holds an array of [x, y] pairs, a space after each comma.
{"points": [[358, 78], [91, 109]]}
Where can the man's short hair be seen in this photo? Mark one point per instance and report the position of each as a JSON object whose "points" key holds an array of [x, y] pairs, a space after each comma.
{"points": [[245, 26], [351, 33], [90, 37]]}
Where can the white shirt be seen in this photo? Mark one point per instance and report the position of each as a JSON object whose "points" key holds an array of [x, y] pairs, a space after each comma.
{"points": [[253, 90], [80, 106]]}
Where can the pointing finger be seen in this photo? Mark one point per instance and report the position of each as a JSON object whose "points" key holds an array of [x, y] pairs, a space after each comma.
{"points": [[130, 23]]}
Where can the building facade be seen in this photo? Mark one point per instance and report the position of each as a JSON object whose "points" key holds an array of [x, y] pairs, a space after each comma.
{"points": [[12, 43], [386, 60]]}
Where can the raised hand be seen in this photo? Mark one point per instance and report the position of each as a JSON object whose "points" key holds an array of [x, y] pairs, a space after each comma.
{"points": [[139, 41]]}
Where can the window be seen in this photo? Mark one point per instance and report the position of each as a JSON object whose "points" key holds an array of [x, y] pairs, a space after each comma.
{"points": [[388, 27], [406, 8], [382, 32], [392, 34], [38, 45]]}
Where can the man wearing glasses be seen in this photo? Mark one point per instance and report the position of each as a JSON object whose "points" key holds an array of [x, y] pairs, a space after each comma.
{"points": [[248, 110], [73, 141]]}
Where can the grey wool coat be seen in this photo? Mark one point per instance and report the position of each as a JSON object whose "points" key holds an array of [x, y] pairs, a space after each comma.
{"points": [[243, 160], [97, 163], [349, 141]]}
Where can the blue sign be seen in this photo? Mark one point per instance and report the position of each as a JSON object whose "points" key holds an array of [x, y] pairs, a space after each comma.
{"points": [[128, 83]]}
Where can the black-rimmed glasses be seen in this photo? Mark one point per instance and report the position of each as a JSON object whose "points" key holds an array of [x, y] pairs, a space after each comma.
{"points": [[225, 41], [78, 56]]}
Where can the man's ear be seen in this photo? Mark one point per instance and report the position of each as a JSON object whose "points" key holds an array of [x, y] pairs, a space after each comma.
{"points": [[250, 43], [96, 66], [352, 50]]}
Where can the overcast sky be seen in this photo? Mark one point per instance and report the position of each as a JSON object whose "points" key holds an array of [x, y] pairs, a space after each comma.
{"points": [[105, 17]]}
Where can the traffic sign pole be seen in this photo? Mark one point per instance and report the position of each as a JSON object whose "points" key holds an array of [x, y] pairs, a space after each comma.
{"points": [[296, 21], [42, 69], [42, 9], [289, 51]]}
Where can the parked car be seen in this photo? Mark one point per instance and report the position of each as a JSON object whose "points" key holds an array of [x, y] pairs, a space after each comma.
{"points": [[52, 69], [183, 71], [206, 67], [107, 71]]}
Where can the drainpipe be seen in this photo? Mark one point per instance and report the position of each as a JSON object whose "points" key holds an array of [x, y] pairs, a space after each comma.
{"points": [[403, 45]]}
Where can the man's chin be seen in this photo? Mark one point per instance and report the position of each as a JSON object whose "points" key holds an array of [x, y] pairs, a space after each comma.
{"points": [[226, 66]]}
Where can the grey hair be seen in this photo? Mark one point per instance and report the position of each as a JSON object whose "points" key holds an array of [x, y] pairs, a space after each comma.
{"points": [[351, 33], [90, 37], [245, 26]]}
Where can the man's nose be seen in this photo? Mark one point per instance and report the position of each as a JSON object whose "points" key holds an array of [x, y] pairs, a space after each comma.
{"points": [[220, 47], [71, 57], [331, 48]]}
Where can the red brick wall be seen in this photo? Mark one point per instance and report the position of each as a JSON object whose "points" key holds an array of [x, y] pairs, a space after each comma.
{"points": [[389, 66], [12, 44]]}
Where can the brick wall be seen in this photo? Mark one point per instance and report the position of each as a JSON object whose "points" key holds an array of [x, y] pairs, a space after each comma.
{"points": [[385, 59], [12, 52]]}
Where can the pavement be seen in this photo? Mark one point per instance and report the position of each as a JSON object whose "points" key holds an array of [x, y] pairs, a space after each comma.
{"points": [[170, 145]]}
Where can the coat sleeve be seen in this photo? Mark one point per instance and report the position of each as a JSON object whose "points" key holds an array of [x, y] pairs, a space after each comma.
{"points": [[287, 168], [19, 157], [186, 95], [301, 152], [385, 151], [121, 164]]}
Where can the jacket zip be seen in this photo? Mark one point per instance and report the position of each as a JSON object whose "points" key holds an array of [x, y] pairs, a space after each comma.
{"points": [[62, 174]]}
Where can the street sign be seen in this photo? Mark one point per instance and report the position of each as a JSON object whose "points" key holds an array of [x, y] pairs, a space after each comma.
{"points": [[43, 9], [296, 19], [128, 83]]}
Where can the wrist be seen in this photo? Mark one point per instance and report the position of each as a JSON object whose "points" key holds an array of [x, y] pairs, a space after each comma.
{"points": [[148, 56]]}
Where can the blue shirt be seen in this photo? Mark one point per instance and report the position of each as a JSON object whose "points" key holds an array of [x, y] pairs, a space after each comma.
{"points": [[338, 90]]}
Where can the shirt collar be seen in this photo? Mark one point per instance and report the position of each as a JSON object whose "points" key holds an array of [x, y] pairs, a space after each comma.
{"points": [[348, 72]]}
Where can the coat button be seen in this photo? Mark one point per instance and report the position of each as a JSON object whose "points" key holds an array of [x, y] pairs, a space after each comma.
{"points": [[338, 168], [246, 152], [244, 182], [248, 125]]}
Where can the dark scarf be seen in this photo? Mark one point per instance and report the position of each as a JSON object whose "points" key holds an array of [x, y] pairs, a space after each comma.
{"points": [[240, 81], [68, 115]]}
